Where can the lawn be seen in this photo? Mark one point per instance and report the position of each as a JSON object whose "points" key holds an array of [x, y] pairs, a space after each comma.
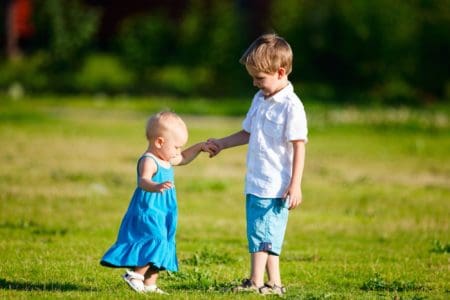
{"points": [[374, 223]]}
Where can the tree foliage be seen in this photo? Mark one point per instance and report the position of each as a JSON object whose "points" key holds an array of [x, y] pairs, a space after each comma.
{"points": [[386, 51]]}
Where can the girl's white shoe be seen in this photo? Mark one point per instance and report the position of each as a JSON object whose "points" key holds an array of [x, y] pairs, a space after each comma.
{"points": [[154, 289], [134, 280]]}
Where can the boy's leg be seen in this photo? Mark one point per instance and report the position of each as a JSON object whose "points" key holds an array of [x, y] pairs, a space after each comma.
{"points": [[258, 266], [273, 270]]}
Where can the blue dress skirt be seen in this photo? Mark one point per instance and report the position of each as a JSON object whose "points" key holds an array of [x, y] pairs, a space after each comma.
{"points": [[147, 232]]}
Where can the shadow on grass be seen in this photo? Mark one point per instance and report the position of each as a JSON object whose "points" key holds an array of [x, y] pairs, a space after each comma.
{"points": [[47, 286]]}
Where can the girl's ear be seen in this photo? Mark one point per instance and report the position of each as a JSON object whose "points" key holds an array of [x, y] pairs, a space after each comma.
{"points": [[159, 141], [281, 72]]}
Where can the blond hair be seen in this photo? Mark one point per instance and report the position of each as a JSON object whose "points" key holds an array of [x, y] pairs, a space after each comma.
{"points": [[268, 53], [162, 123]]}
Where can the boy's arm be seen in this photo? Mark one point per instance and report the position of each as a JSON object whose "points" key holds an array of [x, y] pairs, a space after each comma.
{"points": [[147, 168], [188, 155], [294, 191], [216, 145]]}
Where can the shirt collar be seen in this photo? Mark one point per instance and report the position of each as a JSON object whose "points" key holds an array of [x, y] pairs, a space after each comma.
{"points": [[280, 96]]}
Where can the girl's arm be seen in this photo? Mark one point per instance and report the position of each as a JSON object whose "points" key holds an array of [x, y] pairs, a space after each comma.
{"points": [[294, 191], [216, 145], [147, 168], [188, 155]]}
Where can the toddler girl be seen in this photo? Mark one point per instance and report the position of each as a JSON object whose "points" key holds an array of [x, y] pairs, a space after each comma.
{"points": [[146, 239]]}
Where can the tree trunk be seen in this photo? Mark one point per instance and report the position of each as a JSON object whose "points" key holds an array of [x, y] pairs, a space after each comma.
{"points": [[12, 38]]}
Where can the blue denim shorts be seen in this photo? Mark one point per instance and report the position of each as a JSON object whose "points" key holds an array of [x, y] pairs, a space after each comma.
{"points": [[266, 223]]}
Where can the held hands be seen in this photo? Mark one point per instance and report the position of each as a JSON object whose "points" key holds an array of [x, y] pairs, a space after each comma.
{"points": [[212, 147]]}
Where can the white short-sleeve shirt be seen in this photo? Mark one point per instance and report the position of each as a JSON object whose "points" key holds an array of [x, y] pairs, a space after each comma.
{"points": [[273, 123]]}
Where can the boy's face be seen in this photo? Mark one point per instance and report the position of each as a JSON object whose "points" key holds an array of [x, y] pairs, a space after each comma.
{"points": [[268, 83]]}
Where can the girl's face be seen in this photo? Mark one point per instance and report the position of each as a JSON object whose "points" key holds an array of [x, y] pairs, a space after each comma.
{"points": [[171, 144], [268, 83]]}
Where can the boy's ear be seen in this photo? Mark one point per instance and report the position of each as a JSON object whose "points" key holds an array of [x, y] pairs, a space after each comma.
{"points": [[159, 141], [281, 72]]}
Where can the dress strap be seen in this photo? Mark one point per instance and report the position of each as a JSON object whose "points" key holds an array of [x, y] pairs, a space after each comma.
{"points": [[145, 156]]}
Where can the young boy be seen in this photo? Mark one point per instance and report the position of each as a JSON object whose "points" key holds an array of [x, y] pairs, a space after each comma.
{"points": [[276, 130]]}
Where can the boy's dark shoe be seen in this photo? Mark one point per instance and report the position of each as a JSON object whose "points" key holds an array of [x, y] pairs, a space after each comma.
{"points": [[248, 286], [275, 289]]}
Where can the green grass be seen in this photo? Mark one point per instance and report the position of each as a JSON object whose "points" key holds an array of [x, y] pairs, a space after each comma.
{"points": [[374, 223]]}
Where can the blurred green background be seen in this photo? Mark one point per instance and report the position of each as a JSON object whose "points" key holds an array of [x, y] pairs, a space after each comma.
{"points": [[382, 52]]}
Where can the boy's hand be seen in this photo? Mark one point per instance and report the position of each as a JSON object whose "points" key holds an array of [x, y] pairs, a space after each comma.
{"points": [[294, 197]]}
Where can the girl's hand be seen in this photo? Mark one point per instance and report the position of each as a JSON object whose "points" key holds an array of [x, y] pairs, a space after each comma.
{"points": [[161, 187]]}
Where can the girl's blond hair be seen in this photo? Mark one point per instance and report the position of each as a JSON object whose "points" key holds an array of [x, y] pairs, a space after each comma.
{"points": [[163, 122], [268, 53]]}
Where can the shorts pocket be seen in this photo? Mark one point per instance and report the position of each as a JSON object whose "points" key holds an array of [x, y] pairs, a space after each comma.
{"points": [[258, 203]]}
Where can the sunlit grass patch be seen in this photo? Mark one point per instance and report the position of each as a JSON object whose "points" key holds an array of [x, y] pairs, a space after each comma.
{"points": [[378, 283], [406, 117], [439, 247], [373, 223], [209, 257]]}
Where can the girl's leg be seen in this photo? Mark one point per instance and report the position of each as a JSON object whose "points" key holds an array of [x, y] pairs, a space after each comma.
{"points": [[135, 278], [150, 282], [141, 270], [258, 265], [151, 276], [273, 270]]}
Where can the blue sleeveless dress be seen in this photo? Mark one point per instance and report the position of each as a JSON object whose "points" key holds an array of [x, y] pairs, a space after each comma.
{"points": [[147, 232]]}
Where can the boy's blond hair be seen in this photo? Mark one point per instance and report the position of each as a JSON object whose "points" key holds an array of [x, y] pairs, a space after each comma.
{"points": [[268, 53]]}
